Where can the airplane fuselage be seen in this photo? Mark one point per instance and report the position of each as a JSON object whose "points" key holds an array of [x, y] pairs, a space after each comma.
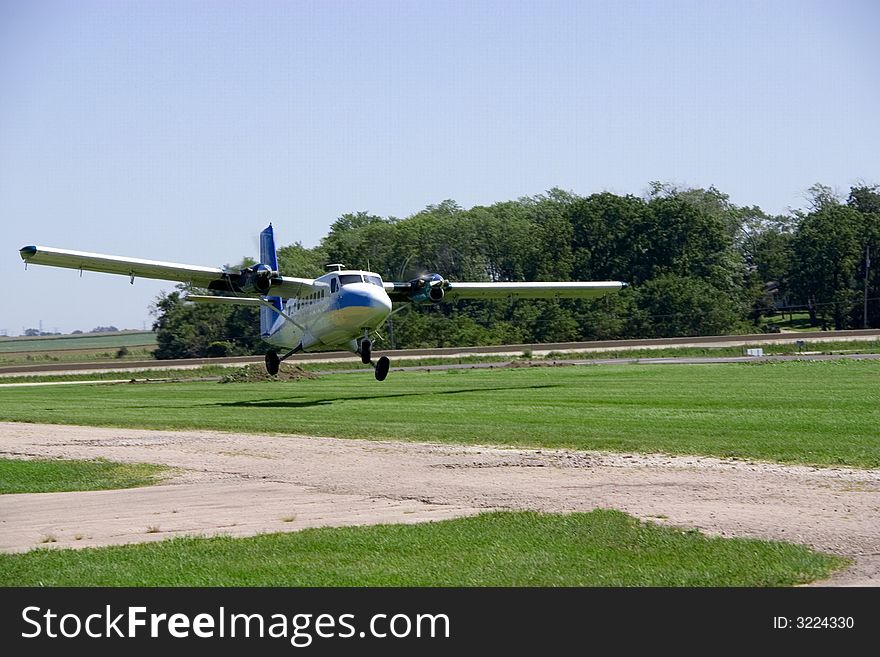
{"points": [[343, 305]]}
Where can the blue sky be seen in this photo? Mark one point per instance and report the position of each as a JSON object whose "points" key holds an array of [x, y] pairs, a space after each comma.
{"points": [[177, 130]]}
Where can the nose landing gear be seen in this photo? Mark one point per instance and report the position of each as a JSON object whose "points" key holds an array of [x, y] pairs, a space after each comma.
{"points": [[365, 349], [382, 368]]}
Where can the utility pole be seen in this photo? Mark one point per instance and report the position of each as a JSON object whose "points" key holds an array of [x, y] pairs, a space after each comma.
{"points": [[391, 334], [867, 267]]}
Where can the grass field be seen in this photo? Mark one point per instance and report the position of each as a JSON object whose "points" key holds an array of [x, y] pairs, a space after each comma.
{"points": [[823, 413], [78, 341], [55, 475], [74, 356], [77, 348], [782, 349], [794, 322], [601, 548]]}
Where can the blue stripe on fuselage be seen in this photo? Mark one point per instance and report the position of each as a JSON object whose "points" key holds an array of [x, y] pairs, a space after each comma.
{"points": [[349, 298]]}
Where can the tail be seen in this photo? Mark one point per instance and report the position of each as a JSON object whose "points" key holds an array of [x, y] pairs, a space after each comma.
{"points": [[268, 257]]}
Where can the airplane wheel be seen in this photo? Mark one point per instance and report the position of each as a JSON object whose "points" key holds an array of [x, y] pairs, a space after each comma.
{"points": [[366, 351], [382, 368], [272, 362]]}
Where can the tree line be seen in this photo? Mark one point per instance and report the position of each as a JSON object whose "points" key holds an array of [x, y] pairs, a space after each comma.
{"points": [[697, 264]]}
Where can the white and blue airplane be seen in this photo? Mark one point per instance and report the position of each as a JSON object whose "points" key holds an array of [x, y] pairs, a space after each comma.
{"points": [[339, 310]]}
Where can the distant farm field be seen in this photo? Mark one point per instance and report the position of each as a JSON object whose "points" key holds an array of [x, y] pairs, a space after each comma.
{"points": [[78, 348], [79, 341], [823, 413]]}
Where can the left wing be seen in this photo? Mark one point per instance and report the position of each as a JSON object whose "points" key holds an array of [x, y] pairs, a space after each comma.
{"points": [[434, 288], [538, 290], [257, 280]]}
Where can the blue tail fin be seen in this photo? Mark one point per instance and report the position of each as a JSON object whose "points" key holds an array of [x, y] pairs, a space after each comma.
{"points": [[268, 257]]}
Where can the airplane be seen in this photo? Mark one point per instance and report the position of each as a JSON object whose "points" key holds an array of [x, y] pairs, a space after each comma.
{"points": [[339, 310]]}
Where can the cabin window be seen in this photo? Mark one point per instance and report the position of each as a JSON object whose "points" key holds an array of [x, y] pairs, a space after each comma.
{"points": [[346, 279]]}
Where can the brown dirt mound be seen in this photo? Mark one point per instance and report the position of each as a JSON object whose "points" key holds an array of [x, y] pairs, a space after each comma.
{"points": [[254, 372]]}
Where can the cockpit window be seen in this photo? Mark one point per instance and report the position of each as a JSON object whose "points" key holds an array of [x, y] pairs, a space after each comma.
{"points": [[375, 280], [345, 279]]}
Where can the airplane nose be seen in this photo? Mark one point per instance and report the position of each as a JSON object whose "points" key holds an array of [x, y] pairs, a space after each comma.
{"points": [[366, 304], [381, 300], [366, 297]]}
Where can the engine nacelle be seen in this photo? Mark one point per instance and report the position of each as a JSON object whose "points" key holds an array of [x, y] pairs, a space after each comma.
{"points": [[436, 294], [430, 288], [256, 279]]}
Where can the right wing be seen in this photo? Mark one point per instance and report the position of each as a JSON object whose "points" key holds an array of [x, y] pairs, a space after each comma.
{"points": [[434, 288], [212, 278], [532, 290]]}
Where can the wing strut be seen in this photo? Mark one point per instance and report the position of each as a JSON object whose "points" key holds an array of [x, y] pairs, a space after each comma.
{"points": [[286, 316]]}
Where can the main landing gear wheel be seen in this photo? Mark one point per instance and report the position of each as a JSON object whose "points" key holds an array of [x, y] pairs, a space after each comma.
{"points": [[272, 362], [382, 368], [366, 351]]}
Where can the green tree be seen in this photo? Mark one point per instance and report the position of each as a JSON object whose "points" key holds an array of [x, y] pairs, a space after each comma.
{"points": [[189, 330], [672, 305], [609, 236], [827, 250], [357, 240], [681, 237], [865, 199], [296, 260], [765, 243]]}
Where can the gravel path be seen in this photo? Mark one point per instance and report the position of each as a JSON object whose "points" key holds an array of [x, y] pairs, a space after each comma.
{"points": [[245, 484]]}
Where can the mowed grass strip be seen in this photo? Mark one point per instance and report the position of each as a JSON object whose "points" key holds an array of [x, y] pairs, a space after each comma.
{"points": [[600, 548], [813, 412], [55, 475]]}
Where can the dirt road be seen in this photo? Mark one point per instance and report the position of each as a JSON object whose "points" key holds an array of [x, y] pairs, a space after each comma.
{"points": [[245, 484]]}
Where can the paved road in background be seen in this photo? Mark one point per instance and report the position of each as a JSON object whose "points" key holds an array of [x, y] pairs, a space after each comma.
{"points": [[453, 352]]}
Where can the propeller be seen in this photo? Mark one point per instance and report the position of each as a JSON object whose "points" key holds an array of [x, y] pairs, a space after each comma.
{"points": [[256, 279]]}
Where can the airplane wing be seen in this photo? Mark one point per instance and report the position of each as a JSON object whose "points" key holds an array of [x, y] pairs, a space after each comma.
{"points": [[255, 281], [434, 288], [538, 290], [224, 301], [289, 287]]}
